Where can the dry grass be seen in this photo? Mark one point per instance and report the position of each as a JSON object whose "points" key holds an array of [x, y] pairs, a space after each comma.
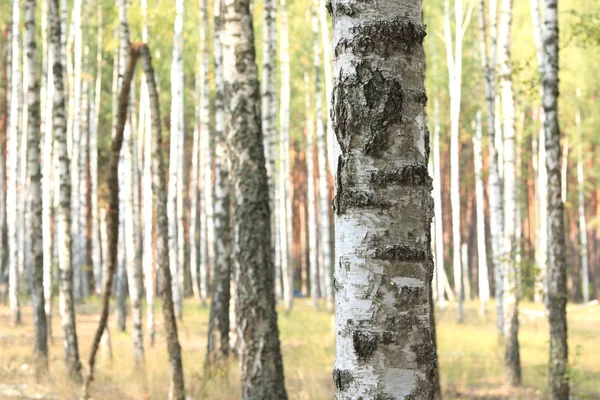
{"points": [[470, 357]]}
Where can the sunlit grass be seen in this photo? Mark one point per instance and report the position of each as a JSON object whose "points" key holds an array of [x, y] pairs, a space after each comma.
{"points": [[470, 355]]}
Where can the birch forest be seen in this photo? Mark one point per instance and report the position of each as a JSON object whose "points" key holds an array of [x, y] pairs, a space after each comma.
{"points": [[299, 199]]}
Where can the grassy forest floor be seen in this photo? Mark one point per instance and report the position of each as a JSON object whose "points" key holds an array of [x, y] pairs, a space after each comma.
{"points": [[470, 356]]}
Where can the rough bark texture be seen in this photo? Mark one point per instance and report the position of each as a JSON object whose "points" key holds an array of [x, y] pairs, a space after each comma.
{"points": [[557, 281], [12, 173], [113, 185], [177, 387], [252, 258], [63, 219], [217, 347], [383, 204], [35, 176], [510, 270]]}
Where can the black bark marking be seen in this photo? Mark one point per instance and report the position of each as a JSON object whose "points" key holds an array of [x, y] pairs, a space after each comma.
{"points": [[358, 199], [424, 354], [400, 252], [367, 104], [342, 379], [365, 344], [383, 38], [348, 10], [408, 175]]}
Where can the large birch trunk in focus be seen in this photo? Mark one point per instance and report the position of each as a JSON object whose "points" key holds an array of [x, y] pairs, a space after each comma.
{"points": [[512, 360], [12, 144], [325, 245], [383, 204], [217, 348], [176, 187], [252, 258], [285, 186], [556, 278], [35, 176], [63, 220]]}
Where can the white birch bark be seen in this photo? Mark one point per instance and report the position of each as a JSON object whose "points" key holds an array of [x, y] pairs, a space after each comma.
{"points": [[82, 179], [193, 229], [285, 189], [93, 160], [583, 242], [23, 184], [563, 169], [12, 162], [325, 244], [174, 157], [482, 268], [512, 362], [383, 205], [310, 185]]}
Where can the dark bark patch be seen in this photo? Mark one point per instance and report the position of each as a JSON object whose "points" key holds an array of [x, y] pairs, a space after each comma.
{"points": [[348, 10], [424, 389], [342, 379], [410, 296], [399, 252], [358, 199], [408, 175], [400, 35], [424, 353], [367, 104], [365, 344]]}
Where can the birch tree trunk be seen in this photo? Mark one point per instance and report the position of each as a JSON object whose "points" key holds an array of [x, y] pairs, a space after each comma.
{"points": [[4, 116], [583, 242], [260, 354], [332, 149], [285, 190], [325, 245], [482, 269], [63, 221], [310, 192], [12, 172], [95, 228], [193, 228], [174, 158], [488, 59], [383, 204], [268, 114], [217, 348], [556, 278], [512, 361], [35, 175]]}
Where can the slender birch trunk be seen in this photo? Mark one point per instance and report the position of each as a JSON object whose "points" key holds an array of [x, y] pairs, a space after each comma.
{"points": [[12, 172], [482, 269], [378, 235], [95, 228], [541, 254], [63, 232], [285, 190], [556, 278], [512, 361], [24, 214], [35, 175], [159, 186], [193, 228], [82, 196], [583, 242], [563, 169], [269, 111], [252, 258], [332, 149], [207, 254], [325, 244], [310, 193], [174, 157], [218, 345], [4, 116], [488, 60]]}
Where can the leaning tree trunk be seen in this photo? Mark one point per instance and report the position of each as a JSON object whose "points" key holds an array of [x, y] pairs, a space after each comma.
{"points": [[512, 360], [383, 204], [175, 187], [217, 348], [177, 388], [35, 176], [285, 189], [63, 220], [583, 242], [325, 245], [556, 280], [12, 173], [482, 268], [260, 354]]}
